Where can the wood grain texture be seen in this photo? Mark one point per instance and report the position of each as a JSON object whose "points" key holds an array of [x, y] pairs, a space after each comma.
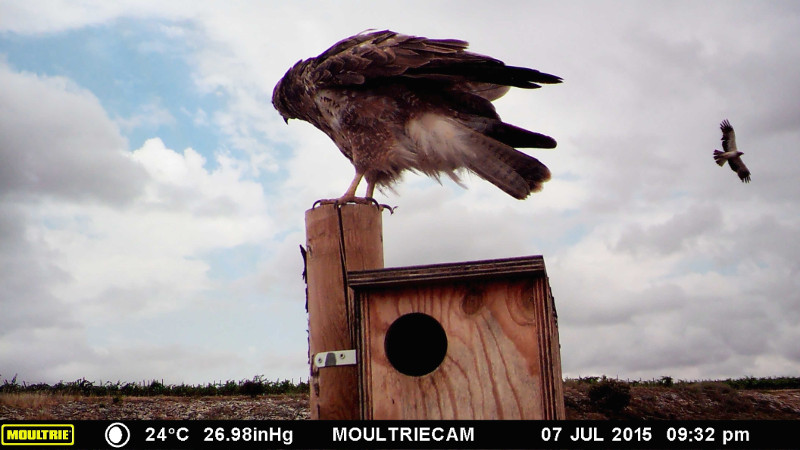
{"points": [[338, 239], [501, 356], [472, 270], [550, 349]]}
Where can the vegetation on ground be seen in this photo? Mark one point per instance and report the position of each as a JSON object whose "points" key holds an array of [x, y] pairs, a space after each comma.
{"points": [[746, 398], [585, 398], [83, 387], [602, 389], [768, 383]]}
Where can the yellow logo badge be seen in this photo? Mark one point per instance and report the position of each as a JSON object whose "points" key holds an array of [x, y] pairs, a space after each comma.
{"points": [[38, 434]]}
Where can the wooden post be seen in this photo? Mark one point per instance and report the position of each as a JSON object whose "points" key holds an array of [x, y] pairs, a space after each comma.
{"points": [[338, 239]]}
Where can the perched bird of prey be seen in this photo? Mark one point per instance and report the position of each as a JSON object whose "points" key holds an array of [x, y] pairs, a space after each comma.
{"points": [[393, 102], [730, 153]]}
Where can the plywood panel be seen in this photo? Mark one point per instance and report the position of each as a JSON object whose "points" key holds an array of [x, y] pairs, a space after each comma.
{"points": [[494, 363]]}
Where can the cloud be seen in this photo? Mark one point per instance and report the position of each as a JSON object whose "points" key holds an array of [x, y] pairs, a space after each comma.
{"points": [[132, 256], [46, 149], [53, 16], [678, 233], [661, 262], [27, 278], [118, 239], [59, 148]]}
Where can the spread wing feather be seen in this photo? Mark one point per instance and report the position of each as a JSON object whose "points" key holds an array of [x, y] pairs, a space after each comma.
{"points": [[741, 170], [728, 136], [365, 57]]}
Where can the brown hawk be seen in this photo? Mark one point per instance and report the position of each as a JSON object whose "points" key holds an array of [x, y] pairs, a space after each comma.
{"points": [[393, 102], [730, 153]]}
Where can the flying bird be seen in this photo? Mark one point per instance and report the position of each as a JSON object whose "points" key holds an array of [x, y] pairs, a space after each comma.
{"points": [[730, 153], [393, 102]]}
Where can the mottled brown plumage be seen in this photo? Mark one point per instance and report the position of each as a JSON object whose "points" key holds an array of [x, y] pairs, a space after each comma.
{"points": [[393, 102], [731, 153]]}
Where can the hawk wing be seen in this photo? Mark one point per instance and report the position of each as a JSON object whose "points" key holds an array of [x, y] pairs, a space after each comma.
{"points": [[738, 166], [367, 57], [728, 137]]}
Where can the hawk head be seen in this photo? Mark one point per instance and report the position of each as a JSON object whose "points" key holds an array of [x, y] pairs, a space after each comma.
{"points": [[288, 93]]}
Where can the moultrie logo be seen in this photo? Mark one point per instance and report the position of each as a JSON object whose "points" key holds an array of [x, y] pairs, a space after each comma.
{"points": [[37, 434]]}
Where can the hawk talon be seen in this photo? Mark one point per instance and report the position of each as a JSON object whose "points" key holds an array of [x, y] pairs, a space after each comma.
{"points": [[338, 202]]}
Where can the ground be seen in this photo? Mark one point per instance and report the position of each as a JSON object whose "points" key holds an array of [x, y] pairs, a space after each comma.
{"points": [[693, 401], [66, 407], [700, 401]]}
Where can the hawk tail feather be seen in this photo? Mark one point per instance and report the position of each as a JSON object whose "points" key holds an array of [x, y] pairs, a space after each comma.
{"points": [[519, 137], [508, 134], [718, 158], [514, 172]]}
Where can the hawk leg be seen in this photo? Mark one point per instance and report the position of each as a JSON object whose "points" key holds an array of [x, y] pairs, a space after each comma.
{"points": [[370, 189], [350, 195]]}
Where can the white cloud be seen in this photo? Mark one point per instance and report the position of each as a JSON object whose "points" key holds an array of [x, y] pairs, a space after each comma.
{"points": [[83, 256], [661, 262], [52, 16], [49, 150]]}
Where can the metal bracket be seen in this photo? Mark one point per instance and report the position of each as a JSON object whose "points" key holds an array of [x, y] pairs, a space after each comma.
{"points": [[335, 358]]}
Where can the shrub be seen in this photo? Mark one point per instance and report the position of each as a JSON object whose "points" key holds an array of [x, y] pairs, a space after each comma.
{"points": [[252, 388], [611, 395], [665, 381]]}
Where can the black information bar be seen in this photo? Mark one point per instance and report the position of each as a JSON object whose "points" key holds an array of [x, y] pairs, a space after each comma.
{"points": [[446, 434]]}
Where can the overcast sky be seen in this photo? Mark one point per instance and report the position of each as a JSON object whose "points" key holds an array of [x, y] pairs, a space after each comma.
{"points": [[152, 200]]}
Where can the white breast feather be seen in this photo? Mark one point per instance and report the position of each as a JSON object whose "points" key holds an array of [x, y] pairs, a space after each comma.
{"points": [[439, 142]]}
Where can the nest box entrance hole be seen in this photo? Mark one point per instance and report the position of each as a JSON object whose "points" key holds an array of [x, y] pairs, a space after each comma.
{"points": [[415, 344]]}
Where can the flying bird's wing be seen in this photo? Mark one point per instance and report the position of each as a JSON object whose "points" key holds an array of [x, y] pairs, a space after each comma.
{"points": [[728, 136], [738, 166]]}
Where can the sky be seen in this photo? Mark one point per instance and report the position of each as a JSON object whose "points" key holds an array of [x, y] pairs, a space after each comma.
{"points": [[152, 200]]}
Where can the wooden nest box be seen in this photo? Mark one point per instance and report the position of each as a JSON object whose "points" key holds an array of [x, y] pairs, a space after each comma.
{"points": [[473, 340]]}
